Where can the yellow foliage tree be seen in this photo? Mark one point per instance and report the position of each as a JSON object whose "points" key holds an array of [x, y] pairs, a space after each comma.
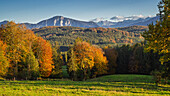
{"points": [[4, 63], [100, 62], [84, 56], [14, 36], [86, 61]]}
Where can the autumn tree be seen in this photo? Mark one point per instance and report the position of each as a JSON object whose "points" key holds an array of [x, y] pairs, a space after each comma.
{"points": [[28, 65], [84, 57], [43, 52], [4, 63], [32, 65], [100, 62], [14, 35], [27, 55], [86, 61]]}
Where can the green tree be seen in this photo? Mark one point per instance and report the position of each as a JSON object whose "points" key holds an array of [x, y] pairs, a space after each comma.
{"points": [[158, 36], [123, 58], [138, 60], [32, 66], [111, 55], [57, 60], [72, 65]]}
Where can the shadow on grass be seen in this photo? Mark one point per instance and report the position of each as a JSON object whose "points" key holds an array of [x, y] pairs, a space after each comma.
{"points": [[92, 85]]}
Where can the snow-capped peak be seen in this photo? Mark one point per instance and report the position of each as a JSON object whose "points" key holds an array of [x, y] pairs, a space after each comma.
{"points": [[99, 19], [120, 18]]}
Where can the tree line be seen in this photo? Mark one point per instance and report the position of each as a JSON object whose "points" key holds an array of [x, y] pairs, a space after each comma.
{"points": [[88, 61]]}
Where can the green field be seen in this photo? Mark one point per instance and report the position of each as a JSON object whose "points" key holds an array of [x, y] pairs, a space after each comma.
{"points": [[111, 85]]}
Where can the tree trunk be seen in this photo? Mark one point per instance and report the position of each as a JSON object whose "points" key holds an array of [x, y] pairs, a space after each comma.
{"points": [[16, 69], [84, 78]]}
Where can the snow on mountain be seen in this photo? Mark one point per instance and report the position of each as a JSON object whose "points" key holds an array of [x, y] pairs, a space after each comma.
{"points": [[121, 21], [120, 18], [117, 18], [100, 19]]}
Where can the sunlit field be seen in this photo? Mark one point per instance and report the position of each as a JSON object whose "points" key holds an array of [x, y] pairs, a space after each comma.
{"points": [[110, 85]]}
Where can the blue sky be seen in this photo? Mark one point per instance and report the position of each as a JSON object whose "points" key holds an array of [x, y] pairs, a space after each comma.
{"points": [[34, 11]]}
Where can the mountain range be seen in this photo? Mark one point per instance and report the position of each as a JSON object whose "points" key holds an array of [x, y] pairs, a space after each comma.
{"points": [[121, 21], [117, 21]]}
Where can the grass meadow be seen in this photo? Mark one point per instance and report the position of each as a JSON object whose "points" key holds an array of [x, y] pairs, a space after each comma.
{"points": [[111, 85]]}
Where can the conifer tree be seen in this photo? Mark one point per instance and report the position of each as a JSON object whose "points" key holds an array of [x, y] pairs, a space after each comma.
{"points": [[158, 36], [57, 60]]}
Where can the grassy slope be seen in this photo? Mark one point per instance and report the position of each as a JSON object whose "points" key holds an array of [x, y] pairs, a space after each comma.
{"points": [[116, 85]]}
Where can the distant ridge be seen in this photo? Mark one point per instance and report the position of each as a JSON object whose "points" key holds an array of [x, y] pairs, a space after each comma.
{"points": [[59, 21], [117, 21]]}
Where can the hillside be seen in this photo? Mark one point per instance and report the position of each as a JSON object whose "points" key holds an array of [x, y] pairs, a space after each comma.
{"points": [[100, 36]]}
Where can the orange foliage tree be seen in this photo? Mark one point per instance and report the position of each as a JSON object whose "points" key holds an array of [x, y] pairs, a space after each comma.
{"points": [[43, 53]]}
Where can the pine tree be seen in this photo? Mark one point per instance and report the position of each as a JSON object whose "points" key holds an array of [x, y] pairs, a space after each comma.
{"points": [[57, 60], [158, 36], [72, 65]]}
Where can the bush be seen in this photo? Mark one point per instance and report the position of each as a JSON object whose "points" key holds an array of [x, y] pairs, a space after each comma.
{"points": [[157, 76]]}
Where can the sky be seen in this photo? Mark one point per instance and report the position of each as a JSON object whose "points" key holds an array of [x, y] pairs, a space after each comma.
{"points": [[33, 11]]}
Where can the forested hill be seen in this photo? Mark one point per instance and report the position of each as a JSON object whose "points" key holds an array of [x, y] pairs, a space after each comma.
{"points": [[66, 35]]}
